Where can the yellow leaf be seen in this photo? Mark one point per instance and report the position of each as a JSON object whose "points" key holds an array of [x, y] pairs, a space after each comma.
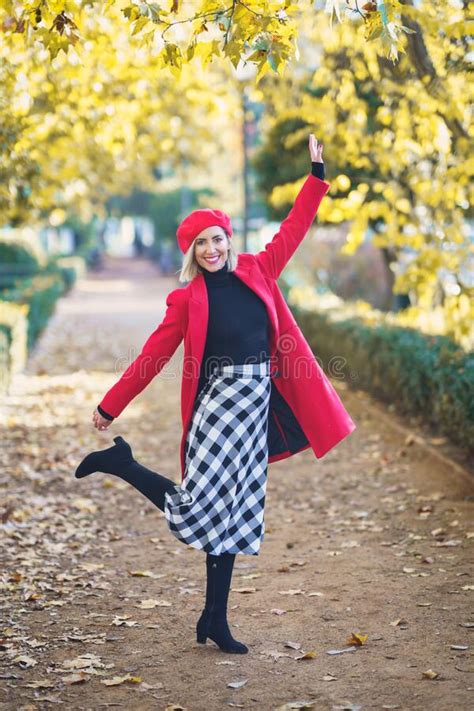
{"points": [[308, 655], [357, 639]]}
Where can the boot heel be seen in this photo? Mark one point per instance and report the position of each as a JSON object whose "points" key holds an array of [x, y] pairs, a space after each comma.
{"points": [[201, 638]]}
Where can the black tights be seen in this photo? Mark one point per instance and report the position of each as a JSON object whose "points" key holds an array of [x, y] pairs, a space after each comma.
{"points": [[151, 484], [119, 461], [154, 486]]}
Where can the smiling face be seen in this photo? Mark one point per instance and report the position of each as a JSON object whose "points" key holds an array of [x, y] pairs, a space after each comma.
{"points": [[210, 248]]}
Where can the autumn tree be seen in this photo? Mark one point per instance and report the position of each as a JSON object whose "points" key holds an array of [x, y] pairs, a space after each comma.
{"points": [[398, 147], [77, 130]]}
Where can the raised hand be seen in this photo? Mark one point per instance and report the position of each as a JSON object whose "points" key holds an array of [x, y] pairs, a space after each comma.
{"points": [[316, 149]]}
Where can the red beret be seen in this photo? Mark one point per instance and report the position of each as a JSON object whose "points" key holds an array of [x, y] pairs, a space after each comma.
{"points": [[197, 221]]}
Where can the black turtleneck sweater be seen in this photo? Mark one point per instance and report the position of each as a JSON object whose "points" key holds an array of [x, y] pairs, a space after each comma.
{"points": [[238, 328]]}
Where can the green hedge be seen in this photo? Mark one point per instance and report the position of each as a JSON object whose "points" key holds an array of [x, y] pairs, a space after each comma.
{"points": [[27, 304], [17, 261], [69, 268], [424, 375], [18, 253], [40, 293], [13, 340]]}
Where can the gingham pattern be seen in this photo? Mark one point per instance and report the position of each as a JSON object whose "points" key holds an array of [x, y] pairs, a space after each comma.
{"points": [[219, 507]]}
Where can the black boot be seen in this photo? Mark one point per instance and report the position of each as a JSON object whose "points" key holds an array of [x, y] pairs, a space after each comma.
{"points": [[106, 460], [118, 460], [213, 624]]}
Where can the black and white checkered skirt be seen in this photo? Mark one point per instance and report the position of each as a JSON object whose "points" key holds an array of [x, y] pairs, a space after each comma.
{"points": [[219, 506]]}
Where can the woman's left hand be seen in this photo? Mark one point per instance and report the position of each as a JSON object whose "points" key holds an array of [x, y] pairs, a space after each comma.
{"points": [[316, 149]]}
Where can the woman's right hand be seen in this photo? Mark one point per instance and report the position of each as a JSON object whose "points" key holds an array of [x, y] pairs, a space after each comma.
{"points": [[100, 423]]}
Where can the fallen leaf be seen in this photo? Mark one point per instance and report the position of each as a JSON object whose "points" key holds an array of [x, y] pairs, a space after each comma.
{"points": [[275, 654], [25, 661], [425, 510], [123, 621], [350, 544], [150, 604], [292, 645], [116, 680], [76, 678], [40, 684], [91, 567], [244, 591], [141, 573], [86, 506], [291, 592], [430, 674], [357, 639], [151, 687], [237, 684], [341, 651], [84, 660], [308, 655], [400, 621]]}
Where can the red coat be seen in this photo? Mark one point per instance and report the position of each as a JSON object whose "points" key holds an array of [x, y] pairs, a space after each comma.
{"points": [[305, 410]]}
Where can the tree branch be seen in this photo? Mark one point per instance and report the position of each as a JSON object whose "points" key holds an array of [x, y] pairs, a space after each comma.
{"points": [[421, 61]]}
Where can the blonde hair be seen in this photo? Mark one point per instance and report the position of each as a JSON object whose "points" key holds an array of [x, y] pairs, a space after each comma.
{"points": [[190, 268]]}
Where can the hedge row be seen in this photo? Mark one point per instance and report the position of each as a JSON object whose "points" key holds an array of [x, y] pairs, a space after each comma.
{"points": [[429, 376], [25, 309], [69, 268], [13, 340], [40, 294]]}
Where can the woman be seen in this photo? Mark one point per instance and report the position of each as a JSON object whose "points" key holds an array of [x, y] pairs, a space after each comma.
{"points": [[238, 412]]}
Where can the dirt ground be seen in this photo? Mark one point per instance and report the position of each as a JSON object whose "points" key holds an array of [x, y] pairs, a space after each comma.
{"points": [[361, 597]]}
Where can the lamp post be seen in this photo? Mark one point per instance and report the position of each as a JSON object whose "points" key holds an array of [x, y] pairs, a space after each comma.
{"points": [[244, 73], [184, 193]]}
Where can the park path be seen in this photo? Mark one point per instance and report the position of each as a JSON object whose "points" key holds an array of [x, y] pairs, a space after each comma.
{"points": [[368, 552]]}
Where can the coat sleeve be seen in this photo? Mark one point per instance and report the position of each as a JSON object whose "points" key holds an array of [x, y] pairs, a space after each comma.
{"points": [[277, 253], [155, 353]]}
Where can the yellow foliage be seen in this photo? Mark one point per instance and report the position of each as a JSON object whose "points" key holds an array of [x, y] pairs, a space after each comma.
{"points": [[269, 28], [403, 137], [100, 121], [95, 103]]}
